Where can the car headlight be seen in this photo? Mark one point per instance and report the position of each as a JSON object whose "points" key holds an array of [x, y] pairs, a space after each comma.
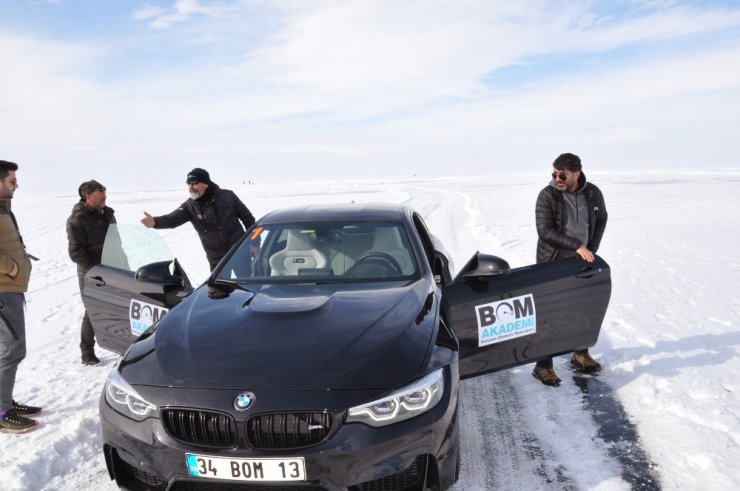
{"points": [[125, 400], [411, 401]]}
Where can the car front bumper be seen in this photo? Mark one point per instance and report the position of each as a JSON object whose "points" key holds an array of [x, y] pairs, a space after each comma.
{"points": [[422, 450]]}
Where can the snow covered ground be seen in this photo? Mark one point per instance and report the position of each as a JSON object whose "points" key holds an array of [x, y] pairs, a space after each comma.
{"points": [[664, 412]]}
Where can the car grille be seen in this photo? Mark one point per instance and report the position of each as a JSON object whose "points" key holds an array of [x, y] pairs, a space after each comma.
{"points": [[288, 430], [409, 478], [152, 482], [205, 428]]}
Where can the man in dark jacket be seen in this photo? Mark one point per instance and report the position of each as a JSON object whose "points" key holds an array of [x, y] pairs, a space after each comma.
{"points": [[571, 218], [87, 227], [218, 215]]}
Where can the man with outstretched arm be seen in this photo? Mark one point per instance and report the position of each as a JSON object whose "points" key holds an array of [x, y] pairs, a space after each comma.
{"points": [[217, 214]]}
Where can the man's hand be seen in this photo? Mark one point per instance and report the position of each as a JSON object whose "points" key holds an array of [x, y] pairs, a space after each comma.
{"points": [[148, 220], [13, 272], [585, 254]]}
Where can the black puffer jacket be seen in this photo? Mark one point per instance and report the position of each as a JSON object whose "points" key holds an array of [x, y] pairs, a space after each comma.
{"points": [[86, 229], [551, 217], [216, 217]]}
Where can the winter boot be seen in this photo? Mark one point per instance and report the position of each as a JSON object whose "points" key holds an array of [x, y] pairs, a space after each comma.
{"points": [[583, 362], [90, 359], [546, 375]]}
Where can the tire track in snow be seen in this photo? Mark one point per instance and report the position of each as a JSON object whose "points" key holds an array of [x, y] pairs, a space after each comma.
{"points": [[498, 450], [616, 429]]}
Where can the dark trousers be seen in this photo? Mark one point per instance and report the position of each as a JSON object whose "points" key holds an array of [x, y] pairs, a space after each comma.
{"points": [[87, 334], [547, 362], [12, 343]]}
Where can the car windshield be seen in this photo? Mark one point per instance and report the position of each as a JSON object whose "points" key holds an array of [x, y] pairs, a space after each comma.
{"points": [[348, 251], [129, 247]]}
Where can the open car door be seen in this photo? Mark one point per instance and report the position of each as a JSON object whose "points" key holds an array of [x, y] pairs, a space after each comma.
{"points": [[135, 285], [506, 317]]}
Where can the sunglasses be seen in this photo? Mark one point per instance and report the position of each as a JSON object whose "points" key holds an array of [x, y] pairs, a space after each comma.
{"points": [[192, 183], [559, 176], [100, 189]]}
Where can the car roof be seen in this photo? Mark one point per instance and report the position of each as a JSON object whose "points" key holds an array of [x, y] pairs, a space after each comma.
{"points": [[340, 211]]}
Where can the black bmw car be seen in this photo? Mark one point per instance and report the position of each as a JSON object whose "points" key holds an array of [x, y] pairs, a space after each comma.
{"points": [[329, 360]]}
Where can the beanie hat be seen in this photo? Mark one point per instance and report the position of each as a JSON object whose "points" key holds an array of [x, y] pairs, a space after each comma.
{"points": [[89, 187], [198, 175]]}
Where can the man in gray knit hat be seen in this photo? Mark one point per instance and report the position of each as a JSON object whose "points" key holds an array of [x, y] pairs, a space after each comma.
{"points": [[87, 227]]}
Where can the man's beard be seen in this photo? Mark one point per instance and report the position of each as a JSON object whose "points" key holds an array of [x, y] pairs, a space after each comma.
{"points": [[195, 195]]}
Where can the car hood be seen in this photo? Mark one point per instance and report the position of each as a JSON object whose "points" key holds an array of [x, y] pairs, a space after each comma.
{"points": [[289, 337]]}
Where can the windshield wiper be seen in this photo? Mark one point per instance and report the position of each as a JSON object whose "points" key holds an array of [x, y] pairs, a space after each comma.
{"points": [[326, 281], [226, 286]]}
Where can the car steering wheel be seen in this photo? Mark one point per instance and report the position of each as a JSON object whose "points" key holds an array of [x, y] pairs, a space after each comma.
{"points": [[375, 263]]}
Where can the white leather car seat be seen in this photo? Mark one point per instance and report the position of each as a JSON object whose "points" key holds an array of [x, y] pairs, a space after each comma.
{"points": [[300, 253], [388, 240]]}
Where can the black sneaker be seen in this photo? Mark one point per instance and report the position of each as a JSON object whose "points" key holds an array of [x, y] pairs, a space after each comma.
{"points": [[11, 422], [90, 359], [24, 410]]}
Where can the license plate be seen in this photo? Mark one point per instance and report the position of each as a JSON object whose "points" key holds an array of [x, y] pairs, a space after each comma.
{"points": [[268, 469]]}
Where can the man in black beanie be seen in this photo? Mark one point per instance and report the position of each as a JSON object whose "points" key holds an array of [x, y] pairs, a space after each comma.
{"points": [[218, 215], [87, 227]]}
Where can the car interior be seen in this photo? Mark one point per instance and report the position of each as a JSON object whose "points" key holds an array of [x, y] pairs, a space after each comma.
{"points": [[367, 251]]}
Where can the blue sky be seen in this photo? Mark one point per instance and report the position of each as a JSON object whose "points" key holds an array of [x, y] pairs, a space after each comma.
{"points": [[136, 93]]}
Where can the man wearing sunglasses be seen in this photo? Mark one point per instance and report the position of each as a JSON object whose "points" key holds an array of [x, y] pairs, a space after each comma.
{"points": [[86, 230], [217, 214], [571, 217]]}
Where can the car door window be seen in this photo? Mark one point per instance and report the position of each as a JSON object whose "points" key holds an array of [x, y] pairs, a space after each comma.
{"points": [[426, 238], [128, 247]]}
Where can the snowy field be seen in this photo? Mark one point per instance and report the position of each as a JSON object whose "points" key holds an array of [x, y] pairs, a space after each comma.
{"points": [[669, 343]]}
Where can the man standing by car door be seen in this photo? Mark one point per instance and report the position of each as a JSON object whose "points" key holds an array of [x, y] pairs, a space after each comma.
{"points": [[15, 271], [571, 217], [87, 227], [215, 213]]}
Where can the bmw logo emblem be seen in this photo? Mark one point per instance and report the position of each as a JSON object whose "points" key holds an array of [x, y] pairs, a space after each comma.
{"points": [[244, 401]]}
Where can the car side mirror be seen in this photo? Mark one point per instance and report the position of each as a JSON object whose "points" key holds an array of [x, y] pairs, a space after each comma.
{"points": [[158, 272], [482, 265]]}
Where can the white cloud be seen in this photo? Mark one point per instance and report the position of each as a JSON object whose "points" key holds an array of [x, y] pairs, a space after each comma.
{"points": [[386, 56], [149, 12], [375, 87], [180, 11]]}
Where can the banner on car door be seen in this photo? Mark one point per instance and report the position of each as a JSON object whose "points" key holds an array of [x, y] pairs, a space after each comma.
{"points": [[506, 319], [143, 315]]}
